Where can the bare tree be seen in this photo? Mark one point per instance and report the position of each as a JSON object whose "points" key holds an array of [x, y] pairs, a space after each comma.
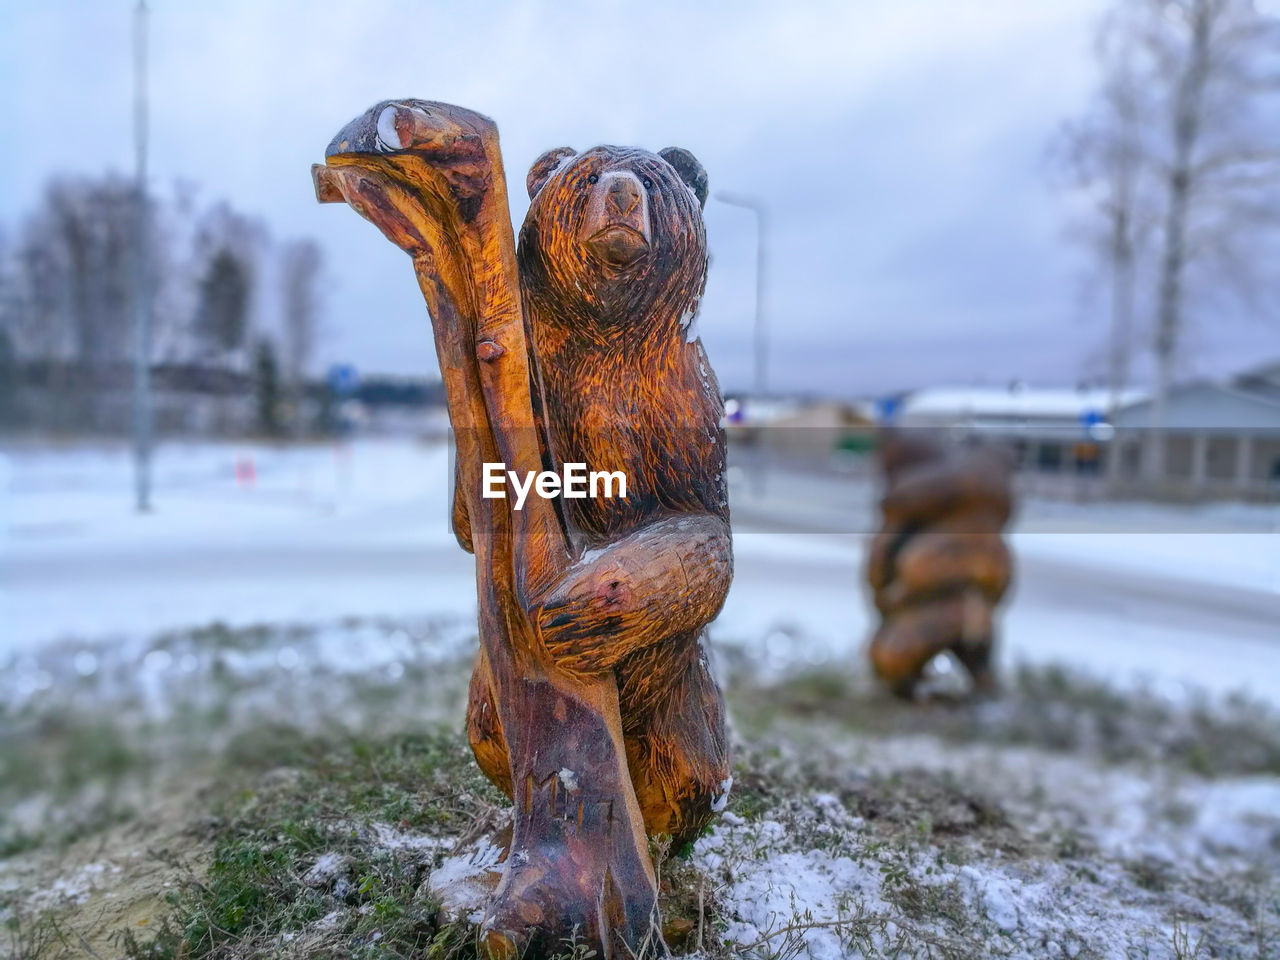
{"points": [[267, 387], [301, 265], [222, 312], [38, 318], [72, 287], [1103, 154], [8, 348], [230, 247], [66, 291], [93, 224], [1184, 108], [1221, 169], [71, 279]]}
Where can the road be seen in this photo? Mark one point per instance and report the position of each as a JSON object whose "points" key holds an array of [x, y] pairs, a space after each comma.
{"points": [[1193, 606]]}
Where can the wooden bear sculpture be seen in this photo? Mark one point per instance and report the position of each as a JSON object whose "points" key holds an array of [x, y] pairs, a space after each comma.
{"points": [[939, 566], [592, 704]]}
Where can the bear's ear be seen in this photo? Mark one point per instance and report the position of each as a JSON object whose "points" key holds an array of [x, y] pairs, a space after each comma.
{"points": [[690, 170], [544, 167]]}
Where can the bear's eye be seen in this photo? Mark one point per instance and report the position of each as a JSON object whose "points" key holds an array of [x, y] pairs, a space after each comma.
{"points": [[648, 184], [592, 178]]}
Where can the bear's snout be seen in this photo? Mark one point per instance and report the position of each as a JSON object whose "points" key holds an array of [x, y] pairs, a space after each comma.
{"points": [[623, 195], [616, 229]]}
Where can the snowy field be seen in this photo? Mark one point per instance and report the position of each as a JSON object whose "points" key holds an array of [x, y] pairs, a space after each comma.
{"points": [[1062, 820], [1124, 806], [1167, 596]]}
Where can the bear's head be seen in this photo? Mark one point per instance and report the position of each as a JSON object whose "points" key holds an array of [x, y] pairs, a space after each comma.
{"points": [[614, 238]]}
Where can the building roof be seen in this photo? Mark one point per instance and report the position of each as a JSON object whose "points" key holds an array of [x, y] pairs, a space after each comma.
{"points": [[1268, 372], [1210, 406], [1263, 381], [1009, 404]]}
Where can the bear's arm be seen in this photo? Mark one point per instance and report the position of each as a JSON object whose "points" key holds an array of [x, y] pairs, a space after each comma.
{"points": [[667, 578]]}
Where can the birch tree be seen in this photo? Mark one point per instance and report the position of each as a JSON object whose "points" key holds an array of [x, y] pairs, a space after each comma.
{"points": [[1185, 140]]}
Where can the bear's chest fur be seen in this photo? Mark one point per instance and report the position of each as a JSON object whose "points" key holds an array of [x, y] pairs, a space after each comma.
{"points": [[654, 415]]}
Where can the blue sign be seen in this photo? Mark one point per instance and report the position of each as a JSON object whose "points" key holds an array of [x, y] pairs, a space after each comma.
{"points": [[1089, 419], [887, 409], [343, 379]]}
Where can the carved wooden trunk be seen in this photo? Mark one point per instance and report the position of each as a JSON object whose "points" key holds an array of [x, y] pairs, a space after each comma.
{"points": [[592, 705]]}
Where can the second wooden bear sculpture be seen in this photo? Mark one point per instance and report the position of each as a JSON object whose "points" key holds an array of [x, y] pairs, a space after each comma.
{"points": [[592, 705], [939, 565]]}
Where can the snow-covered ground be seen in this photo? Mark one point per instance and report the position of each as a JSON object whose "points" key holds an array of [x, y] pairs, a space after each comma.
{"points": [[984, 830], [320, 532], [1174, 595]]}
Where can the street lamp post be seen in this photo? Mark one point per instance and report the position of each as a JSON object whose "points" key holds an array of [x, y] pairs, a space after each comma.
{"points": [[760, 336], [141, 280], [761, 343]]}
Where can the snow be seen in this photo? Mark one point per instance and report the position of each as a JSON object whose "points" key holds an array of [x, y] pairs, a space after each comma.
{"points": [[813, 880], [688, 322], [792, 885], [389, 838], [1036, 402], [1182, 598], [324, 532], [1128, 812], [1230, 558], [721, 799], [76, 886], [996, 894], [463, 882], [327, 869], [1170, 596]]}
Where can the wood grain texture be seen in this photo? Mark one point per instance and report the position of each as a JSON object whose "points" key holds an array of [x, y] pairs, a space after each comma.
{"points": [[612, 261], [939, 566], [592, 703]]}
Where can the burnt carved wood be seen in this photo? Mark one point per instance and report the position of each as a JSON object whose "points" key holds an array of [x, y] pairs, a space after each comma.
{"points": [[592, 704], [939, 565]]}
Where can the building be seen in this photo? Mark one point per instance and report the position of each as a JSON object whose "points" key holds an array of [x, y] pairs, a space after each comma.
{"points": [[1051, 429], [1220, 439], [798, 431]]}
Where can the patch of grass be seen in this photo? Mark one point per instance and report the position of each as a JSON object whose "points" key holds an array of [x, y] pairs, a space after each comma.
{"points": [[26, 938], [1151, 874], [1050, 708], [379, 813], [924, 806], [382, 808], [14, 842], [219, 636], [111, 721], [61, 754], [370, 808], [908, 809], [76, 769], [926, 901]]}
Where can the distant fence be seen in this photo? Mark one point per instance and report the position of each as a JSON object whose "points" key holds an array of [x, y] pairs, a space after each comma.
{"points": [[1224, 464], [199, 400]]}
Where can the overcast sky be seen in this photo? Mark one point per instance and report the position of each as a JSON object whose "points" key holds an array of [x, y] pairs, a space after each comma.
{"points": [[900, 145]]}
